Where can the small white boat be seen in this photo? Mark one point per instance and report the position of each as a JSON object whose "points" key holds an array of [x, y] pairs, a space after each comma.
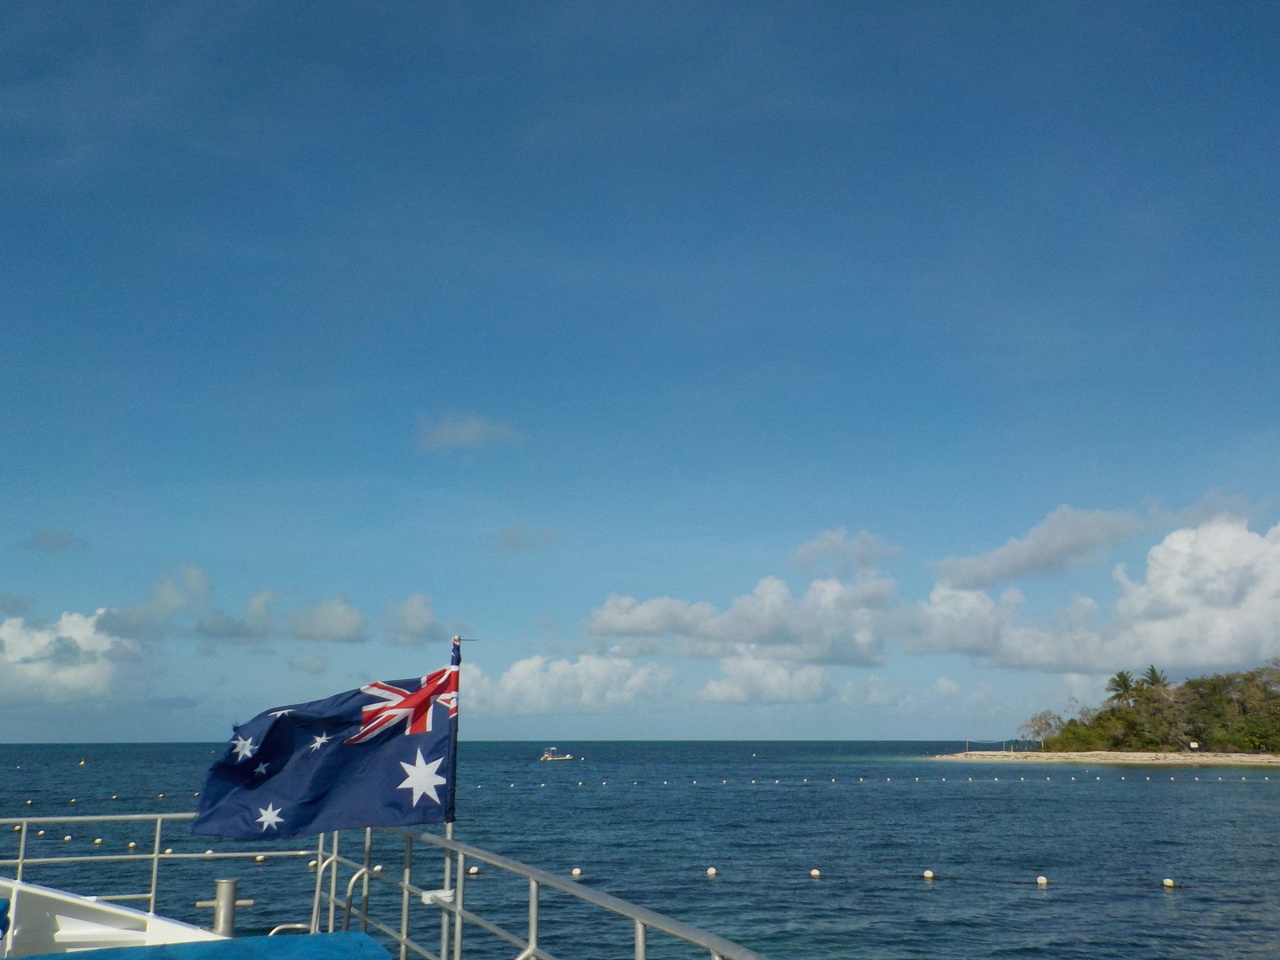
{"points": [[552, 754]]}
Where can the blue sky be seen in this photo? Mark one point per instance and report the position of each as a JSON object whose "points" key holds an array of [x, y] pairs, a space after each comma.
{"points": [[820, 370]]}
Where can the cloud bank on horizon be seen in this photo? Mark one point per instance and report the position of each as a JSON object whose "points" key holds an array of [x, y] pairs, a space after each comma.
{"points": [[1208, 600]]}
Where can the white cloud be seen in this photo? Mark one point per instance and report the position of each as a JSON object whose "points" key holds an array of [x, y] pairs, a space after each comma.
{"points": [[747, 680], [169, 597], [843, 557], [833, 622], [945, 687], [69, 658], [540, 685], [1211, 596], [414, 622], [335, 621], [256, 624], [1210, 599], [465, 431], [1065, 537]]}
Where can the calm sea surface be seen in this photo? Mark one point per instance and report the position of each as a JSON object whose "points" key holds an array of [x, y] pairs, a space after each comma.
{"points": [[644, 821]]}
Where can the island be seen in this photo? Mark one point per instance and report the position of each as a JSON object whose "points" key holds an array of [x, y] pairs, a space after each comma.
{"points": [[1223, 719]]}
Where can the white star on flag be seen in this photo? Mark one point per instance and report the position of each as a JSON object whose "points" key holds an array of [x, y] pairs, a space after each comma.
{"points": [[319, 741], [422, 778], [244, 748], [270, 817]]}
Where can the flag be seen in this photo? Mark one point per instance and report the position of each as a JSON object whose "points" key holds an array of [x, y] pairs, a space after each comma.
{"points": [[380, 756]]}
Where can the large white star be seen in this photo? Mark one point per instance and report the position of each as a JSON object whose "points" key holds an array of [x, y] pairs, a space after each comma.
{"points": [[270, 817], [244, 748], [422, 778], [319, 741]]}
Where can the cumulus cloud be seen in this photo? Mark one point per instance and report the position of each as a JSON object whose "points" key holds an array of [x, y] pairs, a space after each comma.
{"points": [[833, 622], [169, 597], [71, 657], [256, 624], [53, 541], [414, 622], [465, 431], [334, 621], [1210, 598], [845, 558], [1065, 537], [747, 680], [539, 685]]}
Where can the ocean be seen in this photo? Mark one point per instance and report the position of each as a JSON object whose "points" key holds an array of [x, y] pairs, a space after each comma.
{"points": [[645, 821]]}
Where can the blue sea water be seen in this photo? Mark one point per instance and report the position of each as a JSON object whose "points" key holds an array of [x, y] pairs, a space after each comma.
{"points": [[645, 820]]}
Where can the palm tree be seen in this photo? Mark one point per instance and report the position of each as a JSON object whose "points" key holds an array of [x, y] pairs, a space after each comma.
{"points": [[1153, 679], [1121, 687]]}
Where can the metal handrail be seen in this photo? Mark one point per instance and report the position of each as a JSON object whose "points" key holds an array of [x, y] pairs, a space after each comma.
{"points": [[156, 855], [449, 898]]}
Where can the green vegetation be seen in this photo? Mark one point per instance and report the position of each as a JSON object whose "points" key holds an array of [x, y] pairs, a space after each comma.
{"points": [[1228, 713]]}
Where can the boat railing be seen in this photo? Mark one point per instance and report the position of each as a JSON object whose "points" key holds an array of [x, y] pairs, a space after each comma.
{"points": [[153, 855], [462, 865], [423, 894]]}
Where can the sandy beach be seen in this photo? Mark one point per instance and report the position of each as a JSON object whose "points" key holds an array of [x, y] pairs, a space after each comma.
{"points": [[1116, 757]]}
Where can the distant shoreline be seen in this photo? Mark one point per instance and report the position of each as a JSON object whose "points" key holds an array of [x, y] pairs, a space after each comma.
{"points": [[1119, 757]]}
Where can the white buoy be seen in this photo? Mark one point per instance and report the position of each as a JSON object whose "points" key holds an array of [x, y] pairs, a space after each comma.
{"points": [[73, 800], [311, 864], [39, 833], [928, 875], [575, 872], [711, 871], [261, 859], [67, 837], [1167, 882], [132, 845], [168, 849], [208, 853], [97, 841], [377, 868], [815, 873], [473, 870], [1042, 881]]}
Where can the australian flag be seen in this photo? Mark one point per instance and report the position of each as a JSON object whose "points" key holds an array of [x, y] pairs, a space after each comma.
{"points": [[380, 756]]}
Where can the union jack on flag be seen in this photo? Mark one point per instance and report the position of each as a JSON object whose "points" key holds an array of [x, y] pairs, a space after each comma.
{"points": [[415, 709], [340, 762]]}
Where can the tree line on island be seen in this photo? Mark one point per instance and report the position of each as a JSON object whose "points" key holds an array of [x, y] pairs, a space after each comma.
{"points": [[1223, 713]]}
